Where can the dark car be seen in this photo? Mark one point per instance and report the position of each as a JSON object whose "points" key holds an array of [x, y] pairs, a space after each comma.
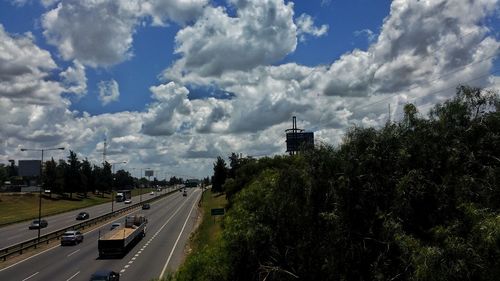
{"points": [[184, 193], [146, 206], [105, 275], [83, 216], [71, 237], [35, 224]]}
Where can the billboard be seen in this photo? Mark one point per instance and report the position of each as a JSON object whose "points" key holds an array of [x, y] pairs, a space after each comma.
{"points": [[295, 141], [149, 173], [29, 168]]}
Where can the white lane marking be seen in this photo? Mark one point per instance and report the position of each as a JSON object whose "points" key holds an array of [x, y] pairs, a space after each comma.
{"points": [[158, 231], [73, 276], [176, 241], [95, 229], [31, 276], [29, 258], [73, 253]]}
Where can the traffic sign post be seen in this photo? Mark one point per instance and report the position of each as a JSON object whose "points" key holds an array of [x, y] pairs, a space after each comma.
{"points": [[217, 212]]}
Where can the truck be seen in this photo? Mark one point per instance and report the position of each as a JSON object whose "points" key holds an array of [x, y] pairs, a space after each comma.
{"points": [[122, 195], [119, 241]]}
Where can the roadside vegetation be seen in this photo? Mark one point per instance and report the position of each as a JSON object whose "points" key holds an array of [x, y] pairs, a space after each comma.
{"points": [[210, 227], [413, 200]]}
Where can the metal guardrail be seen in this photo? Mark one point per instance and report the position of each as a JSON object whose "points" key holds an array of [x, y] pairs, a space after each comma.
{"points": [[21, 247]]}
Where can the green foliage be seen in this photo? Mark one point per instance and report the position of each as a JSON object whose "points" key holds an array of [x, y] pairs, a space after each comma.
{"points": [[220, 175], [416, 200]]}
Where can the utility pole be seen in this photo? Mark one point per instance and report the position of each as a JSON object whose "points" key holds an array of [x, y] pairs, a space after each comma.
{"points": [[389, 120], [104, 151]]}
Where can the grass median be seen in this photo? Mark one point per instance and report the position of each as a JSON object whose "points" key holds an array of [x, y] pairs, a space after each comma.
{"points": [[18, 207]]}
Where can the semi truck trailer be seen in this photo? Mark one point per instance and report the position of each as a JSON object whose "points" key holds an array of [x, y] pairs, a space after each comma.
{"points": [[119, 241]]}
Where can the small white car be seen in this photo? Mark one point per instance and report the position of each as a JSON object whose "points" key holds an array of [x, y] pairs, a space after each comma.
{"points": [[128, 201], [152, 193]]}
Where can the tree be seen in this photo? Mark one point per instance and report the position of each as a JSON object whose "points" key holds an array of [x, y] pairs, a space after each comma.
{"points": [[106, 177], [3, 174], [123, 179], [50, 176], [220, 175], [87, 177], [73, 181], [415, 200], [60, 182]]}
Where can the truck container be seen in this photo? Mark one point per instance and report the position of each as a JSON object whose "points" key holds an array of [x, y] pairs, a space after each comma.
{"points": [[119, 241], [122, 195]]}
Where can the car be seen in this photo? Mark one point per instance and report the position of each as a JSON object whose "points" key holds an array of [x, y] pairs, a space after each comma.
{"points": [[105, 275], [36, 225], [152, 193], [71, 237], [115, 225], [82, 216], [184, 193], [146, 206], [128, 201]]}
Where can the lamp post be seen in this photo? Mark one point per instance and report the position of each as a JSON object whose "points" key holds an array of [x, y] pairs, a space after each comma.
{"points": [[41, 183], [112, 186]]}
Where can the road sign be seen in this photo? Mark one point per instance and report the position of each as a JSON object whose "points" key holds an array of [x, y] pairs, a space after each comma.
{"points": [[217, 211]]}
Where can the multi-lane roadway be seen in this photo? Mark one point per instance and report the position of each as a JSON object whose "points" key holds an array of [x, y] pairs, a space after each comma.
{"points": [[17, 233], [170, 221]]}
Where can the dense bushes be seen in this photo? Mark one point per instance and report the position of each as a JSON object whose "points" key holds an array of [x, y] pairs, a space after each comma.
{"points": [[415, 200]]}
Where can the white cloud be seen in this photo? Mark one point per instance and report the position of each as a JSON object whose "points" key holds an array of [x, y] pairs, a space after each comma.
{"points": [[370, 35], [419, 42], [305, 25], [74, 78], [180, 11], [96, 33], [419, 45], [99, 33], [25, 69], [262, 32], [108, 91], [165, 116]]}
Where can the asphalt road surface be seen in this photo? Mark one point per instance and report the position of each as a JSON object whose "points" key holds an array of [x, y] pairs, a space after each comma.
{"points": [[170, 222], [19, 232]]}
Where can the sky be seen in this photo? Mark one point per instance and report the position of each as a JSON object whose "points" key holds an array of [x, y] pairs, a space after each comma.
{"points": [[173, 84]]}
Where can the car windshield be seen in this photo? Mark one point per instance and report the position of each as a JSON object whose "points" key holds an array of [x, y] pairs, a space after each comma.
{"points": [[99, 278]]}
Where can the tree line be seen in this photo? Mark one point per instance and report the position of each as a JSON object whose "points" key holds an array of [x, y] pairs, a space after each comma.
{"points": [[417, 199], [74, 175]]}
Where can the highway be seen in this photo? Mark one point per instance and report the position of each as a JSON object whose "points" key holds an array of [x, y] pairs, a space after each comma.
{"points": [[19, 232], [170, 222]]}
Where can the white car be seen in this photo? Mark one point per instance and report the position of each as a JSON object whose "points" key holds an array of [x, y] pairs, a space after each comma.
{"points": [[128, 201], [152, 193]]}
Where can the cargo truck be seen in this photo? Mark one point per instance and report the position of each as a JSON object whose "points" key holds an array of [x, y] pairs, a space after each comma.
{"points": [[122, 195], [119, 241]]}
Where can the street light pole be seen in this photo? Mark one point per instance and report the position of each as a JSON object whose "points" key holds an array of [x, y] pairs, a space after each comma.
{"points": [[41, 184]]}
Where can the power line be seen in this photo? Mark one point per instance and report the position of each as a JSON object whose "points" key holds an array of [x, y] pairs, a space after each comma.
{"points": [[430, 82]]}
